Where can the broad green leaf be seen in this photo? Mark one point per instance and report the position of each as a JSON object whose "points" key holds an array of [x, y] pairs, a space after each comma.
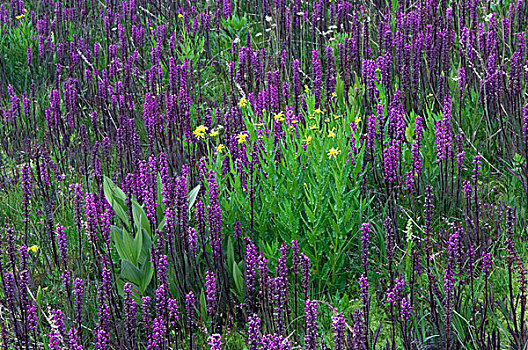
{"points": [[138, 244], [131, 273], [145, 251], [116, 198], [140, 217], [147, 272], [123, 249]]}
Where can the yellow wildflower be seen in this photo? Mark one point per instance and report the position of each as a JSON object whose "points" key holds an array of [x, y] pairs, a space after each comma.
{"points": [[220, 148], [334, 94], [358, 120], [279, 117], [313, 127], [214, 133], [243, 102], [242, 137], [318, 111], [307, 140], [180, 15], [337, 116], [33, 248], [331, 133], [306, 89], [200, 131], [333, 152]]}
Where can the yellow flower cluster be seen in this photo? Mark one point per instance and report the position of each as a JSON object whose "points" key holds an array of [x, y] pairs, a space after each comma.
{"points": [[357, 121], [279, 117], [242, 137], [333, 152], [243, 102], [220, 148], [199, 132]]}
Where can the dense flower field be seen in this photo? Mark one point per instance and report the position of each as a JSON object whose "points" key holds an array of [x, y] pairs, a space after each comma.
{"points": [[286, 174]]}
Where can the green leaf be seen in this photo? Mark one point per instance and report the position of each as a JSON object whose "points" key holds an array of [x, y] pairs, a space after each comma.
{"points": [[239, 282], [123, 245], [230, 254], [161, 225], [138, 244], [130, 247], [145, 251], [131, 273], [116, 198], [203, 306], [140, 217], [147, 272], [192, 196], [39, 296]]}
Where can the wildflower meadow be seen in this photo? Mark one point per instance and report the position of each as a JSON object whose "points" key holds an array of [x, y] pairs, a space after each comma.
{"points": [[263, 174]]}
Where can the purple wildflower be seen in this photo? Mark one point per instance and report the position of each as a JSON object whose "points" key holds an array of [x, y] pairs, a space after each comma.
{"points": [[254, 336], [406, 309], [189, 309], [311, 330], [215, 341], [365, 242], [210, 292], [317, 77], [62, 240], [338, 325]]}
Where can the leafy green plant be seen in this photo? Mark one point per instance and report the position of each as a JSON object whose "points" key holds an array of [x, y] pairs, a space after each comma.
{"points": [[14, 44], [133, 251], [134, 240], [313, 193]]}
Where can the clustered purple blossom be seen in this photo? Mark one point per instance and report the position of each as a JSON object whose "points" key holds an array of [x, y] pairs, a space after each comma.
{"points": [[214, 217], [215, 341], [443, 133], [311, 332], [317, 77], [210, 292], [338, 325]]}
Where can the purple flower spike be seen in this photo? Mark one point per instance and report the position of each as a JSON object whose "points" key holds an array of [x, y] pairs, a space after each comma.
{"points": [[215, 341], [338, 325], [210, 292], [311, 331]]}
